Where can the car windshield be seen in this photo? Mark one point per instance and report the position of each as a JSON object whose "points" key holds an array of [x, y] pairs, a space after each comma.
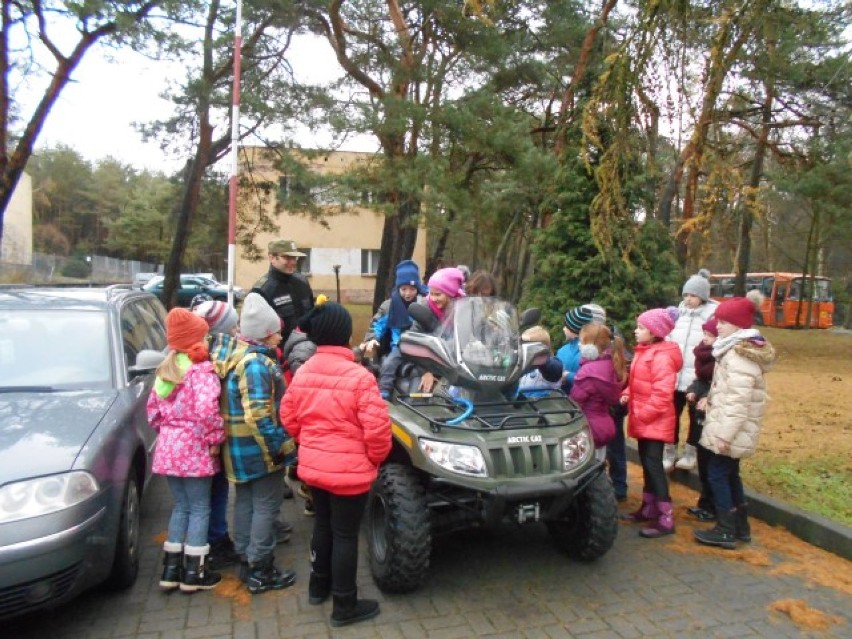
{"points": [[51, 349]]}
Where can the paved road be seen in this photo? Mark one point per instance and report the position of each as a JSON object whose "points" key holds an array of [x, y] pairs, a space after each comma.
{"points": [[508, 584]]}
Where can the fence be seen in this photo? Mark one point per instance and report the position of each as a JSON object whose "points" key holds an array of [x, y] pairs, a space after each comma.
{"points": [[48, 268]]}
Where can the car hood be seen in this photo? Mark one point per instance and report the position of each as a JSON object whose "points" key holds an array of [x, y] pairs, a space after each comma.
{"points": [[42, 433]]}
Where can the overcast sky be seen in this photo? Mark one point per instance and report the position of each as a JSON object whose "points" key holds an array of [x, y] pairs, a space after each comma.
{"points": [[95, 112]]}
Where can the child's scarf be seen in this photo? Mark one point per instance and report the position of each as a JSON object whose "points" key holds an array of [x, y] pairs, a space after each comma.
{"points": [[723, 344], [439, 313], [398, 316]]}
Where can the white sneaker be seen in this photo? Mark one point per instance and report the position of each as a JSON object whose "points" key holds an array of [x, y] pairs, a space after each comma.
{"points": [[669, 455], [689, 459]]}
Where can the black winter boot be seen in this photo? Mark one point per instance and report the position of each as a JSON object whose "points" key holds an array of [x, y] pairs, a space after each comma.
{"points": [[222, 554], [172, 566], [195, 573], [263, 576], [319, 588], [722, 534], [349, 609], [742, 529]]}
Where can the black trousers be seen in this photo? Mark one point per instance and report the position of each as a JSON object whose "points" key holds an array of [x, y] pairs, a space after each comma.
{"points": [[651, 456], [334, 545], [694, 433]]}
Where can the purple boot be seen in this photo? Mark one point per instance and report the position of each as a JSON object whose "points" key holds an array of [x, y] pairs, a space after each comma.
{"points": [[665, 522], [646, 512]]}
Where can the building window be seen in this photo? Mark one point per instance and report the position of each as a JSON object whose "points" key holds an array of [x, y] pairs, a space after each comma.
{"points": [[290, 187], [369, 261], [304, 266]]}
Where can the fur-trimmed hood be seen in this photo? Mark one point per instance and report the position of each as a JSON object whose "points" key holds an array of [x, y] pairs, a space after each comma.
{"points": [[760, 352]]}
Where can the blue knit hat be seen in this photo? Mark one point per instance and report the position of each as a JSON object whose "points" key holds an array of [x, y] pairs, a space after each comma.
{"points": [[577, 317], [408, 273]]}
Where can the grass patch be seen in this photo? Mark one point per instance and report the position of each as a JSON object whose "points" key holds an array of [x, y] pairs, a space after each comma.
{"points": [[817, 485]]}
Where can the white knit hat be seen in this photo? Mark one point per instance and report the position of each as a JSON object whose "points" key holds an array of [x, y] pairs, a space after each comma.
{"points": [[258, 320], [220, 316]]}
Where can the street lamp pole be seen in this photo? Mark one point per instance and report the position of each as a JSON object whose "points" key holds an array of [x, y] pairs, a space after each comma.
{"points": [[336, 268]]}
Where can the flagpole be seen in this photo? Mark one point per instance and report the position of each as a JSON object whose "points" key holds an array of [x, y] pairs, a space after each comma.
{"points": [[235, 137]]}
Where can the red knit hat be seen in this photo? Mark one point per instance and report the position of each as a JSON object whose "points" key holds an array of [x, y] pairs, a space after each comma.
{"points": [[738, 311], [711, 326], [186, 332]]}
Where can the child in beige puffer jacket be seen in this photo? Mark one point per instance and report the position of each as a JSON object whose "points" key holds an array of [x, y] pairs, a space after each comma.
{"points": [[734, 407]]}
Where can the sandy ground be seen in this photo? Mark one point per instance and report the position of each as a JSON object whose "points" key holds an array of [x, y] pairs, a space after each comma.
{"points": [[809, 415]]}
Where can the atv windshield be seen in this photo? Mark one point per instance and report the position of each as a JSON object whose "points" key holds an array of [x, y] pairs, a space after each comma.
{"points": [[485, 338]]}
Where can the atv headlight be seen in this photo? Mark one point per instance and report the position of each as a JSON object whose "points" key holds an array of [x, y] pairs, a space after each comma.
{"points": [[465, 460], [575, 450], [43, 495]]}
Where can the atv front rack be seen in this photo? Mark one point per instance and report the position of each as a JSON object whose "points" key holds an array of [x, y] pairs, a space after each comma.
{"points": [[524, 412]]}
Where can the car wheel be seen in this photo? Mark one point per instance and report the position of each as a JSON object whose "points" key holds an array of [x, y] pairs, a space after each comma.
{"points": [[125, 565], [399, 538], [591, 524]]}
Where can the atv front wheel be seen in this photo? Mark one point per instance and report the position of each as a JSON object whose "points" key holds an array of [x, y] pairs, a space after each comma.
{"points": [[399, 539], [591, 523]]}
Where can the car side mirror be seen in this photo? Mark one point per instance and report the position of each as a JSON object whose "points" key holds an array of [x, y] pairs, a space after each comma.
{"points": [[147, 361]]}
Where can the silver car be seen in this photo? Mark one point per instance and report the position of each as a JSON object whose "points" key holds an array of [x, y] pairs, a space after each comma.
{"points": [[75, 445]]}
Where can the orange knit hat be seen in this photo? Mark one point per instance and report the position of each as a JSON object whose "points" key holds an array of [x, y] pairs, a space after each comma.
{"points": [[185, 333]]}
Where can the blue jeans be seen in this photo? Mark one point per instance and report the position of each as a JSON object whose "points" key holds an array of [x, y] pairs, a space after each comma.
{"points": [[188, 523], [217, 530], [256, 508], [616, 454], [723, 475]]}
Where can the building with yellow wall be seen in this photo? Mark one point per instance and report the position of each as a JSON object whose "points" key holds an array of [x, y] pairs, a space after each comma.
{"points": [[350, 240]]}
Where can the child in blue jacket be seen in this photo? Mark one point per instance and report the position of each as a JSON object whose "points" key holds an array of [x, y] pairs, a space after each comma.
{"points": [[391, 320]]}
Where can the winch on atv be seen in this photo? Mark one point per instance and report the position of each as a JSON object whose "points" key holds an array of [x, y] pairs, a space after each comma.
{"points": [[476, 452]]}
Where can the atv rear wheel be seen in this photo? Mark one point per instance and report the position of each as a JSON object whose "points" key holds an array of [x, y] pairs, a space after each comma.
{"points": [[591, 523], [399, 539]]}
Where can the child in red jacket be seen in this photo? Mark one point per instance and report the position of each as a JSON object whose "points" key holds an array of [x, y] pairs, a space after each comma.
{"points": [[334, 411], [650, 399]]}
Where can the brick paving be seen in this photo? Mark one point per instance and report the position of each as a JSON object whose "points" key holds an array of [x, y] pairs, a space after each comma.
{"points": [[510, 584]]}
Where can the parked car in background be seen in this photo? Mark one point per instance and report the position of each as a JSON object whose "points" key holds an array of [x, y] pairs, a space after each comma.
{"points": [[142, 278], [75, 445], [192, 285]]}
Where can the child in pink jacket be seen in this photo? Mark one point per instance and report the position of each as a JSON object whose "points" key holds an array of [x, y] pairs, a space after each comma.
{"points": [[599, 381], [650, 399], [183, 408]]}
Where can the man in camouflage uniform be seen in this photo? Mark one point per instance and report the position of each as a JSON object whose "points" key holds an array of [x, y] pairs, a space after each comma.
{"points": [[286, 291]]}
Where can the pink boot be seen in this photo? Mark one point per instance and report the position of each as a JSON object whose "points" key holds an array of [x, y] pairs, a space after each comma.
{"points": [[665, 522], [646, 512]]}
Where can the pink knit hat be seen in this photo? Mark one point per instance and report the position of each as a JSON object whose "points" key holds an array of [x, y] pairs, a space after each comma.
{"points": [[660, 321], [449, 281]]}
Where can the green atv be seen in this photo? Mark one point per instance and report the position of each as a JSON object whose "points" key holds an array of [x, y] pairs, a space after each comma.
{"points": [[476, 452]]}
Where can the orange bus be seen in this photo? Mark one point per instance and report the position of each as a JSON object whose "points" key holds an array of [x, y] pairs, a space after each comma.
{"points": [[785, 305]]}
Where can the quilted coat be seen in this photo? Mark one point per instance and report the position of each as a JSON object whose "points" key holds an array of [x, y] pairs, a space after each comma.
{"points": [[334, 411], [596, 388], [737, 398], [187, 421], [650, 390], [688, 334], [256, 445]]}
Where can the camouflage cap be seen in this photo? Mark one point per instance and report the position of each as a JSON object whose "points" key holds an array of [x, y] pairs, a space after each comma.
{"points": [[284, 247]]}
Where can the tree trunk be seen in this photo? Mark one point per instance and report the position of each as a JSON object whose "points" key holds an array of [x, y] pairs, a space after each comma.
{"points": [[195, 168], [750, 201]]}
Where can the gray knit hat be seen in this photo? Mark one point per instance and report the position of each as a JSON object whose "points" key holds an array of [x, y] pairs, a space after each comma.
{"points": [[258, 320], [699, 285]]}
